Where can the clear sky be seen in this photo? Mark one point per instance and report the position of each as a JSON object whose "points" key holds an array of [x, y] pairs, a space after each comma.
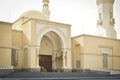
{"points": [[81, 14]]}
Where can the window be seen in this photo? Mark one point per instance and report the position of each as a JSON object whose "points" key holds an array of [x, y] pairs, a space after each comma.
{"points": [[105, 60], [25, 57], [14, 58], [77, 64]]}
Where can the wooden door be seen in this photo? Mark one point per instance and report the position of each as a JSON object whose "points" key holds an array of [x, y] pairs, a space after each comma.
{"points": [[46, 62]]}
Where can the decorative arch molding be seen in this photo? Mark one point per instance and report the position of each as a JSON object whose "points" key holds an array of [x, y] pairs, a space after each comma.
{"points": [[44, 31]]}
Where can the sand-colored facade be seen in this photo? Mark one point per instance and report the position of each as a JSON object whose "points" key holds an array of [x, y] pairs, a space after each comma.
{"points": [[30, 38], [20, 49], [95, 52], [33, 42], [5, 44]]}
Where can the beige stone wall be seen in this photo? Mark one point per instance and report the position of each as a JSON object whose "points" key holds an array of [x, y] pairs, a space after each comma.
{"points": [[17, 44], [17, 25], [98, 45], [77, 50], [92, 53], [26, 33], [17, 38], [5, 44]]}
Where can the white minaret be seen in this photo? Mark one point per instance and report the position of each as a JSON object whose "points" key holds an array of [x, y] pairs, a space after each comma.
{"points": [[106, 21], [46, 10]]}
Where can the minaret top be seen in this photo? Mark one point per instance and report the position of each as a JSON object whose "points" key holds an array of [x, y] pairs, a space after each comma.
{"points": [[45, 1], [106, 21], [104, 1], [45, 5], [46, 10]]}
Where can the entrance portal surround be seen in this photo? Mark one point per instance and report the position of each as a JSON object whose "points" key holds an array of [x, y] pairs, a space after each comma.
{"points": [[63, 42]]}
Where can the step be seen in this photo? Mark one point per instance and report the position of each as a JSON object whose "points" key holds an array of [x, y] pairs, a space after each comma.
{"points": [[24, 74]]}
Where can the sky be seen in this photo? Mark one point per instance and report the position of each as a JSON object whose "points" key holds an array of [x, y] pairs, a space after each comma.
{"points": [[82, 15]]}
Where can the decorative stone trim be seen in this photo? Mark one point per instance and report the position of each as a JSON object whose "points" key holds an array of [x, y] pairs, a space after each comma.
{"points": [[6, 67], [5, 47], [15, 47], [25, 46]]}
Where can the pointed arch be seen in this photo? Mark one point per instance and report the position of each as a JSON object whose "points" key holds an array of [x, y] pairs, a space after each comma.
{"points": [[46, 30]]}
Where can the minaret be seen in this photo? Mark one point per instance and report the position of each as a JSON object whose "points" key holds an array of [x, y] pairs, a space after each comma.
{"points": [[106, 21], [46, 10]]}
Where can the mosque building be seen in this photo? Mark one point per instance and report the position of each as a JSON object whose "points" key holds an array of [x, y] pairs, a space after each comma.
{"points": [[35, 43]]}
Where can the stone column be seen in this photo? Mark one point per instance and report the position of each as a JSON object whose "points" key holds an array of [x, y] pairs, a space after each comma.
{"points": [[25, 57], [64, 58], [54, 60], [68, 59], [37, 56]]}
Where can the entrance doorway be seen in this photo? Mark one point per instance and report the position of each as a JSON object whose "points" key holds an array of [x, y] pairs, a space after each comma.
{"points": [[45, 61]]}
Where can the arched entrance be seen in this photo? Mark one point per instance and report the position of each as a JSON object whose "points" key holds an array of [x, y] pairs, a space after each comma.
{"points": [[51, 51]]}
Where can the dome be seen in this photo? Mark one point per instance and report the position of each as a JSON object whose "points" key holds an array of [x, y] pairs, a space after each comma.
{"points": [[34, 14]]}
